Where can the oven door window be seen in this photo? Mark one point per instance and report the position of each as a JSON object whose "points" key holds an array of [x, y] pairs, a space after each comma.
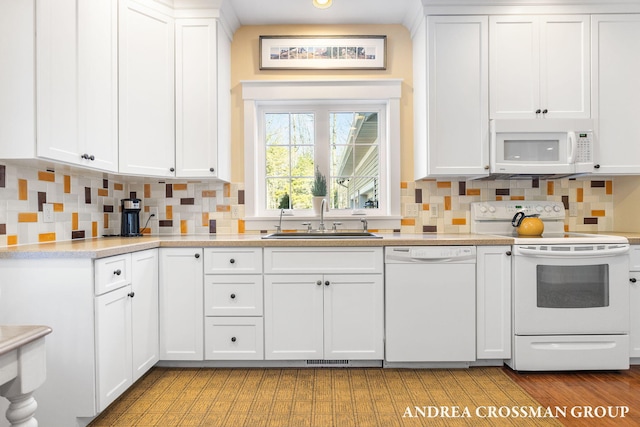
{"points": [[578, 286]]}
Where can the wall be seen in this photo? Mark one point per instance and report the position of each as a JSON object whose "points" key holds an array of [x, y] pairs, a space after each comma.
{"points": [[627, 204], [87, 203], [245, 66]]}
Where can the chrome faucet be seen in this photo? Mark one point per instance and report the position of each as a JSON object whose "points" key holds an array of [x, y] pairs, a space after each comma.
{"points": [[365, 224], [321, 227], [279, 226]]}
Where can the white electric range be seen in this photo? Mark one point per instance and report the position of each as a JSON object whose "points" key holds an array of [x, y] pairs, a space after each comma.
{"points": [[570, 291]]}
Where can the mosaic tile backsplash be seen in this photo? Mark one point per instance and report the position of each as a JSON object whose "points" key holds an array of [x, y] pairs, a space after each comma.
{"points": [[87, 204]]}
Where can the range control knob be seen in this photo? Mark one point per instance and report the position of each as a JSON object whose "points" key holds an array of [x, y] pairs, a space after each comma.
{"points": [[556, 208], [547, 208]]}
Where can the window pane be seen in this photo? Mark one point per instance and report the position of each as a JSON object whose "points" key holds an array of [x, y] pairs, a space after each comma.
{"points": [[278, 193], [355, 193], [355, 160], [278, 161], [277, 129], [302, 132], [289, 160], [301, 193]]}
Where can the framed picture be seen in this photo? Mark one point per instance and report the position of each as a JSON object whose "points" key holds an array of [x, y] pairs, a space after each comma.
{"points": [[323, 52]]}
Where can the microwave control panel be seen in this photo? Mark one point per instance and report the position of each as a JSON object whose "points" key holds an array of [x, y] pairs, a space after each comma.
{"points": [[584, 147]]}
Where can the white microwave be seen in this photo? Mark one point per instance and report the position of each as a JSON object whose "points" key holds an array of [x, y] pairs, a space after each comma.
{"points": [[541, 146]]}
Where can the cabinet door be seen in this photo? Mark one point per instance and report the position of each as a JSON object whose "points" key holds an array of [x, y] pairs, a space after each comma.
{"points": [[539, 67], [146, 93], [293, 317], [565, 75], [493, 283], [113, 345], [57, 80], [196, 98], [181, 306], [144, 311], [76, 52], [634, 315], [98, 80], [458, 93], [17, 103], [514, 70], [353, 317], [616, 93]]}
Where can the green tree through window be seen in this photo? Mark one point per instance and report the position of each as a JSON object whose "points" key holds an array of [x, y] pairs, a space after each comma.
{"points": [[343, 144]]}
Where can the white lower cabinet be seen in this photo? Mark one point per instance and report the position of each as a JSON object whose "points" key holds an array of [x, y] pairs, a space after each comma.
{"points": [[126, 325], [634, 301], [333, 315], [233, 326], [493, 299], [113, 345], [233, 338], [144, 312], [181, 307]]}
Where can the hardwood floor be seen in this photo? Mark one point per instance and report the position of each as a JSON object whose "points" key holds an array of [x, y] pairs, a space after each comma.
{"points": [[585, 391]]}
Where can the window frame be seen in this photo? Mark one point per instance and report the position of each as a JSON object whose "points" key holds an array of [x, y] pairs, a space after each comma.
{"points": [[258, 95], [322, 152]]}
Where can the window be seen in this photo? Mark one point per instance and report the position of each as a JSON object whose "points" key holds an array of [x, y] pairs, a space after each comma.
{"points": [[341, 142], [343, 129]]}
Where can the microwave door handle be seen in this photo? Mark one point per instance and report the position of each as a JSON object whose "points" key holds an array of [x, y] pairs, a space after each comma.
{"points": [[573, 145]]}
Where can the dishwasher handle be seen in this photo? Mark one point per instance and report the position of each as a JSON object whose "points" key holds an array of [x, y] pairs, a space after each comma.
{"points": [[431, 255]]}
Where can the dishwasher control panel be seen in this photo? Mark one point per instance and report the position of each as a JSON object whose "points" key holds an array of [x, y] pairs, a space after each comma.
{"points": [[430, 254]]}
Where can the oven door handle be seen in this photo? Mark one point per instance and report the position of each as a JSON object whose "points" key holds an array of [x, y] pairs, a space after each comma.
{"points": [[612, 250]]}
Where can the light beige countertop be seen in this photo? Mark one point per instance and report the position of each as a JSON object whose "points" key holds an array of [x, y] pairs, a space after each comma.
{"points": [[109, 246], [15, 336]]}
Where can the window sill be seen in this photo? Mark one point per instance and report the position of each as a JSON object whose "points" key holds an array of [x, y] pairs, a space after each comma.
{"points": [[347, 222]]}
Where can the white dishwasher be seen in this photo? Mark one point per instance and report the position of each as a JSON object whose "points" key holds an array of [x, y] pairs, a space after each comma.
{"points": [[430, 304]]}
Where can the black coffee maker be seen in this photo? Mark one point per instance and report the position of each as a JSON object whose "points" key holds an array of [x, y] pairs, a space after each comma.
{"points": [[130, 224]]}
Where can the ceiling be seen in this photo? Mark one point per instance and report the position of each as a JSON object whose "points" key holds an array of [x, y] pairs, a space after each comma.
{"points": [[260, 12]]}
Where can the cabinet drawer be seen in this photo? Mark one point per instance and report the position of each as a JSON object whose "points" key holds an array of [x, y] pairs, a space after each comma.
{"points": [[233, 338], [238, 295], [323, 260], [634, 258], [112, 273], [233, 260]]}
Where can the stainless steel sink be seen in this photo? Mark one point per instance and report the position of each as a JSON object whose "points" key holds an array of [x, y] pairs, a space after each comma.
{"points": [[323, 235]]}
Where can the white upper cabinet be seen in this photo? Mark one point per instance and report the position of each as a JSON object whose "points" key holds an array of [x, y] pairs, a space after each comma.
{"points": [[98, 83], [451, 97], [17, 73], [76, 57], [616, 93], [202, 99], [539, 66], [67, 49], [146, 95]]}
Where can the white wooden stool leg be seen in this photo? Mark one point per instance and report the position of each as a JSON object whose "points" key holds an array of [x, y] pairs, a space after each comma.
{"points": [[21, 411]]}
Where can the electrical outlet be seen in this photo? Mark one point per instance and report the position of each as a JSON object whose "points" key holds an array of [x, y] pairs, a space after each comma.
{"points": [[235, 211], [573, 209], [412, 210], [153, 210], [433, 210], [47, 212]]}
